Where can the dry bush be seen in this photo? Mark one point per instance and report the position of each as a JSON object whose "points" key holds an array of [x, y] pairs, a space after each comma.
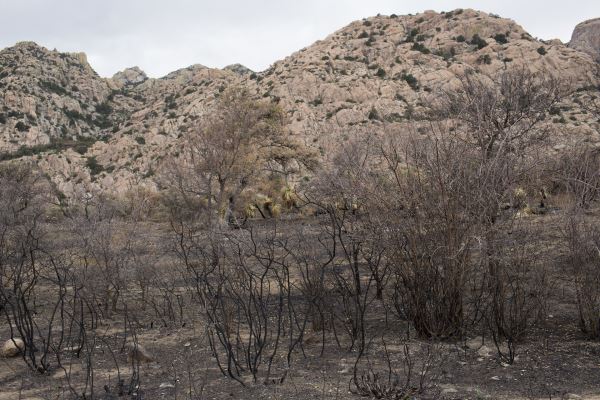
{"points": [[583, 264], [359, 269], [412, 372], [577, 173], [241, 141], [522, 304], [430, 231], [42, 296], [501, 114]]}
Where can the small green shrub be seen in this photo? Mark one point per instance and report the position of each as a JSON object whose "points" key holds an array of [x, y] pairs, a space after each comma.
{"points": [[140, 140], [460, 39], [446, 54], [420, 47], [411, 35], [542, 50], [316, 102], [374, 115], [380, 73], [93, 165], [484, 59], [478, 41], [21, 126], [73, 114], [554, 110], [411, 80], [53, 87], [501, 38], [104, 108]]}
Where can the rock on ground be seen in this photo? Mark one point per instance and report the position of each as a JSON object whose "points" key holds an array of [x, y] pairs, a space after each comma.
{"points": [[12, 347]]}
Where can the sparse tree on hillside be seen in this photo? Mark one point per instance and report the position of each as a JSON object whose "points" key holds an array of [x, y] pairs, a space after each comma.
{"points": [[229, 149], [501, 114]]}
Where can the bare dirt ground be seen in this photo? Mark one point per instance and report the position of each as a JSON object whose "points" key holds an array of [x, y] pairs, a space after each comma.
{"points": [[555, 361]]}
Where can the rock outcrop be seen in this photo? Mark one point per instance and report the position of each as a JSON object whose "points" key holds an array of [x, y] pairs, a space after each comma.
{"points": [[48, 98], [586, 38], [238, 69], [130, 76]]}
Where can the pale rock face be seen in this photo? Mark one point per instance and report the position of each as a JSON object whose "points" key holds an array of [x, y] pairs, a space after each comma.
{"points": [[130, 76], [12, 348], [47, 95], [238, 69], [586, 38]]}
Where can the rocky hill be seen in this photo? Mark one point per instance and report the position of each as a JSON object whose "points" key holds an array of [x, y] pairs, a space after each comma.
{"points": [[586, 37], [49, 98], [372, 75]]}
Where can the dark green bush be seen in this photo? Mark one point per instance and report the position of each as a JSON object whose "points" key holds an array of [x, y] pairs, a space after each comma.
{"points": [[460, 38], [104, 108], [80, 145], [411, 34], [542, 50], [94, 166], [411, 80], [484, 59], [478, 41], [501, 38], [374, 115], [21, 126], [53, 87], [420, 47], [73, 114]]}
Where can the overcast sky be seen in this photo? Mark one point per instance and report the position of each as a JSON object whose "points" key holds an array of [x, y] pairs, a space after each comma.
{"points": [[162, 36]]}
